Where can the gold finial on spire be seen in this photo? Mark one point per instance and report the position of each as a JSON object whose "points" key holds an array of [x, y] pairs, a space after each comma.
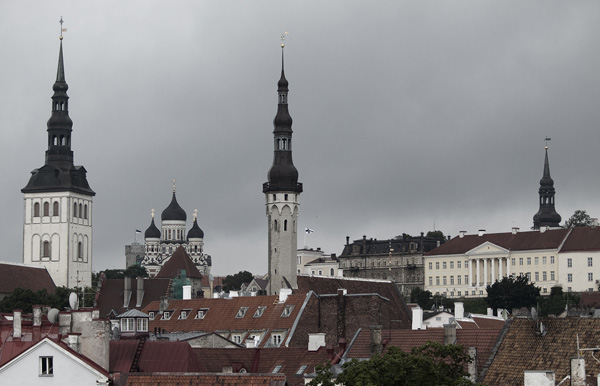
{"points": [[152, 213], [195, 214], [546, 139], [173, 185], [283, 38], [61, 28]]}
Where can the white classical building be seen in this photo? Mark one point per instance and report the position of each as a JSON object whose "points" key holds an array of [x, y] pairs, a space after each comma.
{"points": [[467, 264], [316, 262], [57, 225]]}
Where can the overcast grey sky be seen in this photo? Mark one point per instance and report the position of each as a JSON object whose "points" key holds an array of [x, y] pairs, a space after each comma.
{"points": [[408, 115]]}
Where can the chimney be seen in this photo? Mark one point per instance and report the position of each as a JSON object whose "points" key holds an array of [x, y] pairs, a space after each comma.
{"points": [[578, 372], [481, 232], [283, 294], [347, 240], [139, 292], [37, 316], [417, 318], [64, 323], [249, 343], [490, 312], [544, 229], [462, 234], [459, 310], [126, 291], [342, 291], [17, 324], [234, 294], [187, 292], [164, 303], [449, 334], [375, 340], [594, 222], [472, 366], [315, 340], [227, 369], [73, 341], [515, 230]]}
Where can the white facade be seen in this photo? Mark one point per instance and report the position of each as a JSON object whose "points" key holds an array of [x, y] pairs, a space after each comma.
{"points": [[49, 364], [57, 234], [316, 262], [579, 271], [282, 214]]}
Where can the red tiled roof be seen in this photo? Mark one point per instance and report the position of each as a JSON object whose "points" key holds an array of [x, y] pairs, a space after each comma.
{"points": [[134, 379], [222, 313], [111, 294], [27, 277], [484, 340], [521, 241], [30, 336], [582, 239], [156, 356], [178, 261]]}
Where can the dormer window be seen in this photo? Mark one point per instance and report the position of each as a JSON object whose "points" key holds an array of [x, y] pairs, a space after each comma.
{"points": [[128, 324], [259, 311], [142, 325], [151, 314], [184, 314], [287, 311], [201, 313], [166, 315], [241, 312]]}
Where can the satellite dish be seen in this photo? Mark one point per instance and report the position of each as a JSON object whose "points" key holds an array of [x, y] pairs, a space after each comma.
{"points": [[53, 315], [534, 314], [73, 301]]}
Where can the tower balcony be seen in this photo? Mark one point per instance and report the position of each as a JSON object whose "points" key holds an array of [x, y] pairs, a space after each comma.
{"points": [[282, 187]]}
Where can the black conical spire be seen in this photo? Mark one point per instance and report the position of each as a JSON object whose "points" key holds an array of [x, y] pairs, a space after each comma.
{"points": [[283, 175], [546, 215]]}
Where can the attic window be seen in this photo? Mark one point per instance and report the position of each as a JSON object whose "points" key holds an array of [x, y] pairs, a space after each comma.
{"points": [[259, 311], [151, 314], [166, 315], [128, 324], [241, 312], [201, 313], [184, 314], [287, 311], [46, 367], [277, 369], [301, 370]]}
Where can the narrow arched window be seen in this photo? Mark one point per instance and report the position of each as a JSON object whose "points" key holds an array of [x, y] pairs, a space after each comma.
{"points": [[331, 272], [80, 251], [55, 208], [285, 225], [74, 210], [36, 209], [46, 209], [275, 225], [80, 210], [85, 211], [46, 249]]}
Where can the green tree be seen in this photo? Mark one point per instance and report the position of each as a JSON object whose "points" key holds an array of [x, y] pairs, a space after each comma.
{"points": [[113, 273], [429, 365], [22, 299], [234, 282], [136, 271], [438, 235], [579, 219], [512, 293], [421, 297]]}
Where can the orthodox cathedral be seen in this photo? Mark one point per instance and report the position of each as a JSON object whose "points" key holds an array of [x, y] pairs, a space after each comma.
{"points": [[159, 245]]}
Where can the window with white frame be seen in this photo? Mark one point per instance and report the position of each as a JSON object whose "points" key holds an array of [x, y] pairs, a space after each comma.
{"points": [[430, 280], [127, 324], [543, 259], [552, 275], [544, 276], [466, 279], [513, 261], [236, 338], [590, 276], [458, 264], [183, 314], [444, 265], [241, 312], [537, 276], [430, 265], [520, 261], [151, 314], [570, 277], [537, 260], [437, 265], [458, 281], [46, 366], [529, 261], [142, 324], [276, 339], [201, 313], [467, 264], [590, 262], [259, 311], [551, 259], [569, 263], [451, 265], [437, 280], [166, 315], [287, 311]]}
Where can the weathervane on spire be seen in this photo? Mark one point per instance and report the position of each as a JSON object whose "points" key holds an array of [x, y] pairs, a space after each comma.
{"points": [[61, 28], [547, 139], [152, 212], [195, 214], [283, 39], [173, 185]]}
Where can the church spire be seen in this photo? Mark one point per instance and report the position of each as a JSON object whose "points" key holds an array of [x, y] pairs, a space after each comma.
{"points": [[283, 175], [546, 215]]}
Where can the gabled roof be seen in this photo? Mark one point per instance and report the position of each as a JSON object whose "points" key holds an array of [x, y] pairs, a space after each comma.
{"points": [[178, 261], [29, 277], [11, 347], [523, 348], [110, 298], [154, 357], [136, 379], [582, 239], [221, 314], [520, 241], [133, 314]]}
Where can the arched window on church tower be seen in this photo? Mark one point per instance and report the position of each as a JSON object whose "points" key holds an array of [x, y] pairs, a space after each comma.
{"points": [[46, 249], [74, 210], [55, 208], [85, 212], [46, 209], [285, 225], [80, 251], [36, 209]]}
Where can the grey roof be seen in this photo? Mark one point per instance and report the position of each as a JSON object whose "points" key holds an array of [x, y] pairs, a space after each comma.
{"points": [[133, 314]]}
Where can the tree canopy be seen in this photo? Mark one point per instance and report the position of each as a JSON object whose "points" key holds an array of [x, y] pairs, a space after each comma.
{"points": [[511, 292], [428, 365], [579, 219], [234, 282], [24, 299], [136, 271], [439, 235]]}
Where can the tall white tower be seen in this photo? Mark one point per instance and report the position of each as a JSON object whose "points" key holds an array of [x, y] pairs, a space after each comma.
{"points": [[281, 193], [57, 227]]}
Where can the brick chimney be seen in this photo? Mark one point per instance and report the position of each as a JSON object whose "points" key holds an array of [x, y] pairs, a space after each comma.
{"points": [[449, 334], [375, 340], [37, 316], [126, 291], [17, 324], [139, 292]]}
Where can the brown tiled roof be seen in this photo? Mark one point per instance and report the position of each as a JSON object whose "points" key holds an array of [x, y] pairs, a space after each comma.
{"points": [[222, 313], [582, 239], [155, 356], [134, 379], [521, 241], [524, 349], [110, 297], [33, 278], [178, 261], [590, 299], [484, 340]]}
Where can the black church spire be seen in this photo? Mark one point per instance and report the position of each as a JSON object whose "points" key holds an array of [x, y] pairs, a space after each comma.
{"points": [[283, 175], [547, 215]]}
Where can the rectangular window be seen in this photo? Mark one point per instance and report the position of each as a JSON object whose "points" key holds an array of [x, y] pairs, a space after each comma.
{"points": [[569, 289], [458, 280], [287, 311], [529, 261], [259, 311], [46, 367], [537, 276], [513, 262], [451, 265], [276, 339], [569, 263], [444, 265], [183, 314], [430, 265], [473, 292], [467, 264], [437, 265], [590, 262], [466, 279], [437, 280], [236, 339], [544, 276], [543, 259], [201, 313], [241, 312], [301, 370], [430, 280], [142, 324], [444, 280], [151, 314], [570, 277], [537, 260], [544, 290], [166, 315], [451, 280], [458, 264], [127, 324], [528, 274], [552, 275], [459, 293], [520, 261], [590, 276], [551, 259]]}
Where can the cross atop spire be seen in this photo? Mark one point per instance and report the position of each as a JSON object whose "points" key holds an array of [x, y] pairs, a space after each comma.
{"points": [[173, 185]]}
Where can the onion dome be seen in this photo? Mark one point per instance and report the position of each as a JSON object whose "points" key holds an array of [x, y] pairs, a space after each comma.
{"points": [[195, 232], [173, 211], [152, 232]]}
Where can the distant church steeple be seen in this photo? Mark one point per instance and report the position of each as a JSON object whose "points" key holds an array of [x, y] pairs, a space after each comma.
{"points": [[57, 227], [546, 215], [281, 192]]}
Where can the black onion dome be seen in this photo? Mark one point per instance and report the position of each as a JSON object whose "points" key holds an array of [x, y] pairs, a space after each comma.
{"points": [[152, 232], [195, 232], [173, 211]]}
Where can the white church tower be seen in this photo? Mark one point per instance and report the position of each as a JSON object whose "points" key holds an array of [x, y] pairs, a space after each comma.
{"points": [[57, 226], [281, 193]]}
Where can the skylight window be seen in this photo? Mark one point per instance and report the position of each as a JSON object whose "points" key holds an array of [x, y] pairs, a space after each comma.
{"points": [[277, 369], [259, 311], [287, 311], [301, 370], [241, 312], [201, 313]]}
